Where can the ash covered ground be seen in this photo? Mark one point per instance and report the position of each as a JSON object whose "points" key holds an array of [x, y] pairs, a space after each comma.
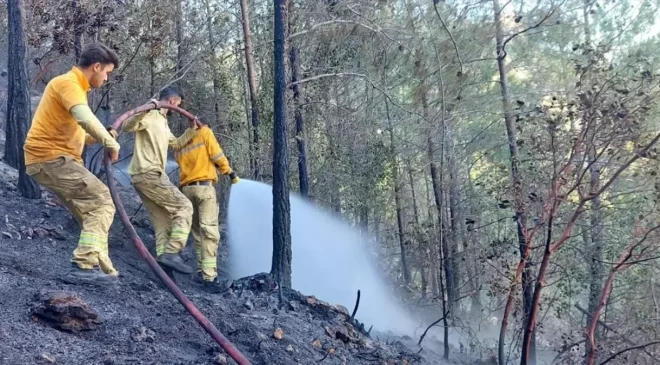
{"points": [[140, 322]]}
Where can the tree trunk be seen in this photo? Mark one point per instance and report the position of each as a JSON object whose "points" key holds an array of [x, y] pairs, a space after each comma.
{"points": [[437, 193], [333, 182], [217, 119], [18, 100], [78, 29], [455, 211], [303, 175], [524, 268], [252, 83], [281, 265], [180, 55], [595, 243], [397, 199], [223, 185]]}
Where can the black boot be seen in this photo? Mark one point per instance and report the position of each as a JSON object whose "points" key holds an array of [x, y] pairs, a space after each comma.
{"points": [[174, 261], [168, 271], [217, 286], [93, 276]]}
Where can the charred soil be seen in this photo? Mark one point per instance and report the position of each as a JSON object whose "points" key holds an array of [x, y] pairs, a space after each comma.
{"points": [[138, 321]]}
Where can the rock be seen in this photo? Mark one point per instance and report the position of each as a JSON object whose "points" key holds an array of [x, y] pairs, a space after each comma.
{"points": [[316, 344], [342, 334], [248, 305], [222, 359], [294, 305], [278, 334], [58, 235], [40, 232], [46, 358], [65, 311], [341, 309], [143, 334], [289, 348]]}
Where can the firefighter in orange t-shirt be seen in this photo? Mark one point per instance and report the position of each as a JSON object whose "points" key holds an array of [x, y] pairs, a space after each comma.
{"points": [[62, 125]]}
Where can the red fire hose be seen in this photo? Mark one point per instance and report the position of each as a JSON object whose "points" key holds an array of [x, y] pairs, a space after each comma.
{"points": [[142, 250]]}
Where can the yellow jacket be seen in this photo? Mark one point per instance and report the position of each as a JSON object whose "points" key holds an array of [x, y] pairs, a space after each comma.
{"points": [[200, 158], [152, 137]]}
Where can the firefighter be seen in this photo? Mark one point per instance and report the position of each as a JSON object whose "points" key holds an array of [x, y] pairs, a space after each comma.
{"points": [[198, 163], [62, 125], [170, 211]]}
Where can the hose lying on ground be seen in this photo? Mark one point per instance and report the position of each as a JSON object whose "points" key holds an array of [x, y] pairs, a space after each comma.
{"points": [[231, 350]]}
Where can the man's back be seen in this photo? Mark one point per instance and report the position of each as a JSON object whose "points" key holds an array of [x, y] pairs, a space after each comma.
{"points": [[199, 158], [54, 132], [152, 136]]}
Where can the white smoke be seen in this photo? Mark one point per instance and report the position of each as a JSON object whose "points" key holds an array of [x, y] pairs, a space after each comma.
{"points": [[330, 260]]}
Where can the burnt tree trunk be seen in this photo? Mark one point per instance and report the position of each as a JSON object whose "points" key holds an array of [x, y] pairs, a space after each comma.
{"points": [[78, 29], [252, 83], [524, 268], [180, 55], [223, 185], [18, 100], [457, 220], [397, 199], [294, 64], [281, 265]]}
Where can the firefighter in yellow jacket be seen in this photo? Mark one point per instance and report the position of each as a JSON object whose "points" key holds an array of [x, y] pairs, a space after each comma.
{"points": [[170, 211], [198, 163], [62, 124]]}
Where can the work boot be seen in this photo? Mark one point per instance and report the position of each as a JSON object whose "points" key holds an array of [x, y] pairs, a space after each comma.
{"points": [[95, 276], [168, 271], [217, 285], [174, 261]]}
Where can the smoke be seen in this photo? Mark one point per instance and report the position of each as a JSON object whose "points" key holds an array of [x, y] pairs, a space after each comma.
{"points": [[330, 260]]}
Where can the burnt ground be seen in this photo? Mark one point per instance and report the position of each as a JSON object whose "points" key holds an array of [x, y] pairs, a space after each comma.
{"points": [[141, 322]]}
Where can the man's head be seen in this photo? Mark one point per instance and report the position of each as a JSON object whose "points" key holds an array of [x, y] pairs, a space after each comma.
{"points": [[97, 61], [171, 95]]}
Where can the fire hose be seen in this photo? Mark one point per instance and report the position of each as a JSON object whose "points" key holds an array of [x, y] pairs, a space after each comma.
{"points": [[226, 345]]}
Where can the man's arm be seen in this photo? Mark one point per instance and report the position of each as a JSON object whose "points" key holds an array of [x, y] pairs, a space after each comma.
{"points": [[178, 143], [96, 132], [74, 99], [137, 122], [216, 154]]}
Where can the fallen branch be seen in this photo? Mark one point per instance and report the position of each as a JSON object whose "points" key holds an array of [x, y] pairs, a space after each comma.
{"points": [[429, 327], [640, 347]]}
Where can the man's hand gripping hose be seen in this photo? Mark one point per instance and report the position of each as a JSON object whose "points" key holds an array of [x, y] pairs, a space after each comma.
{"points": [[142, 250]]}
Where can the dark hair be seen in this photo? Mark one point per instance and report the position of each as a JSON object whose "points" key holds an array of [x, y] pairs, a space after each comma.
{"points": [[98, 52], [170, 92]]}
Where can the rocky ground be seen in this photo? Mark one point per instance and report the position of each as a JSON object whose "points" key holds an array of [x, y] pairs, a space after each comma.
{"points": [[139, 321]]}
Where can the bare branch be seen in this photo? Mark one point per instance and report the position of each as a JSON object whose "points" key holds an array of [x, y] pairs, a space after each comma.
{"points": [[546, 17]]}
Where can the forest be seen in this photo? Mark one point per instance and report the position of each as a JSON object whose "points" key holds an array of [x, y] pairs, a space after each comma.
{"points": [[503, 154]]}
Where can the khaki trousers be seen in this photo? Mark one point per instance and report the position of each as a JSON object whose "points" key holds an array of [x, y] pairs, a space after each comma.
{"points": [[170, 211], [89, 200], [205, 228]]}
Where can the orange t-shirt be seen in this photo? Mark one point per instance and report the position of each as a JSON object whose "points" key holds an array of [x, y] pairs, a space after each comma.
{"points": [[54, 132]]}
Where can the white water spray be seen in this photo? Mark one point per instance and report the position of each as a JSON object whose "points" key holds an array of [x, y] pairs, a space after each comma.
{"points": [[330, 259]]}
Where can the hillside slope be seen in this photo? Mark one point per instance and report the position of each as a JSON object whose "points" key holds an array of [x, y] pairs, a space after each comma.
{"points": [[142, 323]]}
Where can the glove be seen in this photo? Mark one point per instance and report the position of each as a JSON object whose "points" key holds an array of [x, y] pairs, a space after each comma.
{"points": [[234, 178], [112, 132]]}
